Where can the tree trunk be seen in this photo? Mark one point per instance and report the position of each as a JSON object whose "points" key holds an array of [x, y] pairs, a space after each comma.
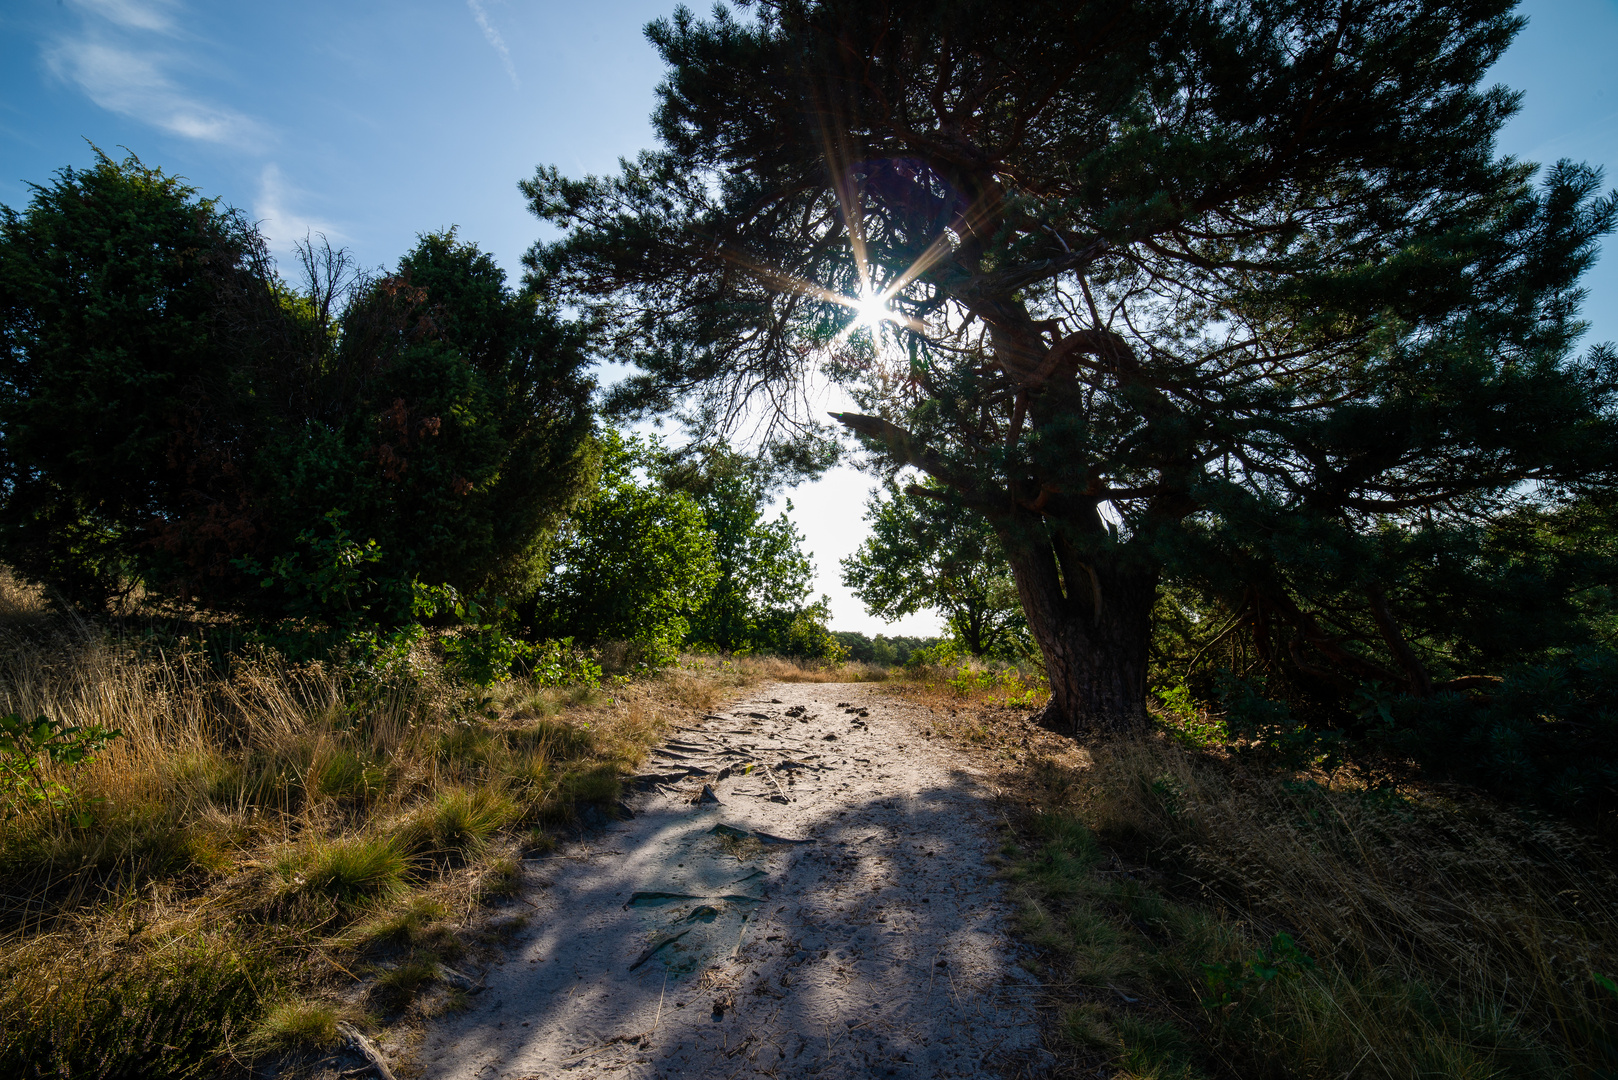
{"points": [[1092, 619]]}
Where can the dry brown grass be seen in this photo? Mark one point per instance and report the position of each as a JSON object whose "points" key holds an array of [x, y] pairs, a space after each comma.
{"points": [[1438, 935], [1448, 932], [784, 669], [971, 701], [266, 832]]}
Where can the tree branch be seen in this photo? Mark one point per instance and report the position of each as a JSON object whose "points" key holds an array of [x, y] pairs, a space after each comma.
{"points": [[908, 449], [1420, 682]]}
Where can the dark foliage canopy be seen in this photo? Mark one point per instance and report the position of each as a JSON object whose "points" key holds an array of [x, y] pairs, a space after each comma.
{"points": [[1233, 292], [173, 413], [449, 416], [116, 287]]}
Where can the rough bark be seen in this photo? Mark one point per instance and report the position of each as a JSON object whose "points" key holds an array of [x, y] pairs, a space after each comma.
{"points": [[1092, 620]]}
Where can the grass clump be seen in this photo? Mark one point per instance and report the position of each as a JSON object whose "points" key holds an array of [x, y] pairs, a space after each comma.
{"points": [[349, 871], [342, 774], [460, 822], [553, 740], [595, 786], [412, 924], [295, 1025], [397, 987]]}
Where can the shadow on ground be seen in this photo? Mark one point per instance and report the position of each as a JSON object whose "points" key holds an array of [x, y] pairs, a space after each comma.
{"points": [[832, 913]]}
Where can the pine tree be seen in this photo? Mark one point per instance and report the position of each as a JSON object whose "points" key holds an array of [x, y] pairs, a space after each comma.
{"points": [[1211, 289]]}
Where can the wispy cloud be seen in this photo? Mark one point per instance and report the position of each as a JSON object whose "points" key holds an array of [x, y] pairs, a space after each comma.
{"points": [[143, 15], [136, 14], [115, 61], [493, 37], [282, 226], [132, 57], [133, 83]]}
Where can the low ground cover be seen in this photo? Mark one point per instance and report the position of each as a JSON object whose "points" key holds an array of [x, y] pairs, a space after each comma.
{"points": [[264, 848], [1200, 913], [267, 849]]}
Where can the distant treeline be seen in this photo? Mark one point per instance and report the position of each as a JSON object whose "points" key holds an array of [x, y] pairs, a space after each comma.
{"points": [[882, 649]]}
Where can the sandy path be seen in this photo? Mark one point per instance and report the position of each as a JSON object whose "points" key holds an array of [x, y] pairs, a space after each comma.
{"points": [[875, 948]]}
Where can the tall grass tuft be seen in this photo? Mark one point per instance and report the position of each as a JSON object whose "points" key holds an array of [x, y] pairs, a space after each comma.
{"points": [[294, 1025], [350, 871]]}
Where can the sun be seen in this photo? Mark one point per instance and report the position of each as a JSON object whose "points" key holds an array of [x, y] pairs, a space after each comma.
{"points": [[872, 310]]}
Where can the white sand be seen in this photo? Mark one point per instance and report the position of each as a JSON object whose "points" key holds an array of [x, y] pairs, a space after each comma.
{"points": [[879, 948]]}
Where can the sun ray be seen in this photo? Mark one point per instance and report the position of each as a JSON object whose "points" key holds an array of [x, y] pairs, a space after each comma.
{"points": [[872, 305]]}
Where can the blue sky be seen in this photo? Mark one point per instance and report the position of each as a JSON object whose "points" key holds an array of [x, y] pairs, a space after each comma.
{"points": [[374, 121]]}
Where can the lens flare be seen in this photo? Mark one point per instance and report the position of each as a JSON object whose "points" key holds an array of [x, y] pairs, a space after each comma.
{"points": [[871, 310]]}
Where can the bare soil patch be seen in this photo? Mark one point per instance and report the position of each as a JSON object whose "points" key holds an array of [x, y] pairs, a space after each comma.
{"points": [[827, 907]]}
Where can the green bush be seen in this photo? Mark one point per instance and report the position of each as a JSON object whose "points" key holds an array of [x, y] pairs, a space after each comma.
{"points": [[446, 416], [633, 564], [559, 663], [177, 415], [1547, 734], [122, 374]]}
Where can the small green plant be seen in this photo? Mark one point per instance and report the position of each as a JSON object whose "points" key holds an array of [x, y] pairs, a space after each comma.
{"points": [[1236, 984], [1169, 794], [1187, 720], [560, 663], [944, 654], [1022, 692], [25, 746], [1374, 705], [1600, 1040], [332, 600], [1273, 732], [1301, 747], [966, 679], [481, 652]]}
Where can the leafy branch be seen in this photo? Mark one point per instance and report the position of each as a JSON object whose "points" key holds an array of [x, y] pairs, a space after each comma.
{"points": [[26, 746]]}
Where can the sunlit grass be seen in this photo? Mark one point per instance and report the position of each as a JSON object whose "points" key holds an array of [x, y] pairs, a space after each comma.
{"points": [[261, 826], [295, 1025]]}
